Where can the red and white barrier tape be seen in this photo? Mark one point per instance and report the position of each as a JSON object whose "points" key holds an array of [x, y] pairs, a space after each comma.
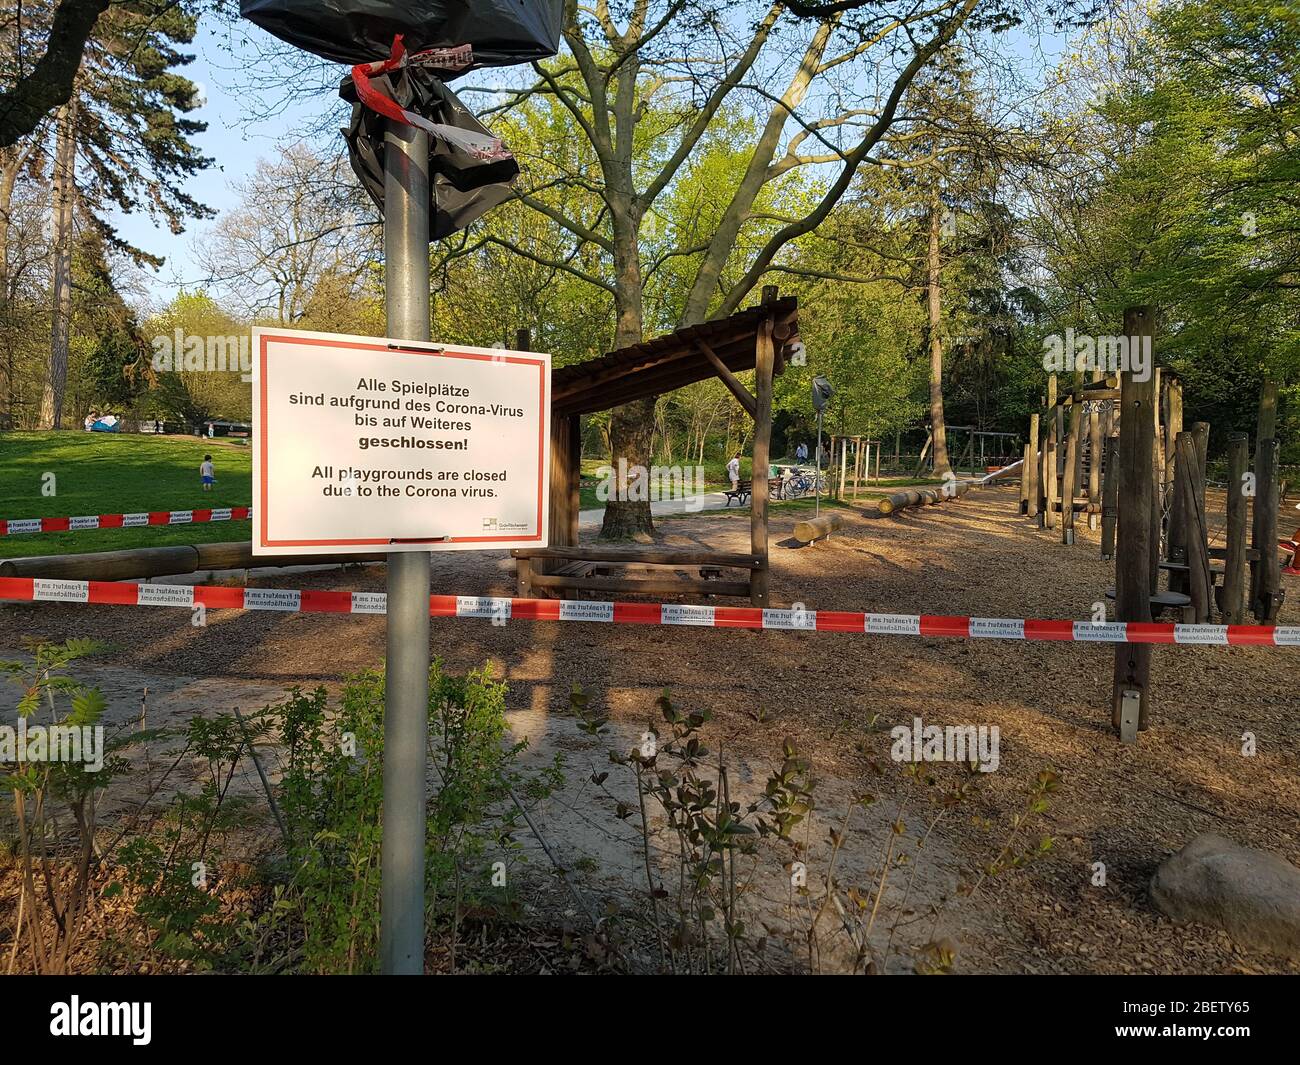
{"points": [[441, 59], [15, 526], [125, 593]]}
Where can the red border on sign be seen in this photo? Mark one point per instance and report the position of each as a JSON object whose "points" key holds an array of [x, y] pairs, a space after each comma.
{"points": [[263, 444]]}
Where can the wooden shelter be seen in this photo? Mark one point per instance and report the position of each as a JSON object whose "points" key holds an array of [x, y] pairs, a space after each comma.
{"points": [[754, 339]]}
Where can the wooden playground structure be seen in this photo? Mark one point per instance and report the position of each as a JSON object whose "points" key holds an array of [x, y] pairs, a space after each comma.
{"points": [[1115, 449], [855, 471], [755, 339]]}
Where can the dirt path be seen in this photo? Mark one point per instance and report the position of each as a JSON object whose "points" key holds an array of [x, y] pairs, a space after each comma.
{"points": [[837, 696]]}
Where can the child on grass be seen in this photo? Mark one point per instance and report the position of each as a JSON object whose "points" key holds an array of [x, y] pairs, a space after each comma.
{"points": [[207, 473]]}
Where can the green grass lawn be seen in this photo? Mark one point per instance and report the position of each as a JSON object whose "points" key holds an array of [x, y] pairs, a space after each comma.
{"points": [[104, 473]]}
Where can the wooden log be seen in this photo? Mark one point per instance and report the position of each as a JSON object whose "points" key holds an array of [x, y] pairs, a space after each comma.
{"points": [[106, 565], [239, 555], [1266, 584], [1110, 499], [1136, 489], [143, 562], [1232, 592], [923, 497], [816, 528]]}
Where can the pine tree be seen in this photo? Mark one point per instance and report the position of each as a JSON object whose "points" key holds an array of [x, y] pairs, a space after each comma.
{"points": [[123, 143]]}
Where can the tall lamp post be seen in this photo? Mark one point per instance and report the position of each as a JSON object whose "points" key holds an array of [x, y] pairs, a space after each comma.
{"points": [[821, 394]]}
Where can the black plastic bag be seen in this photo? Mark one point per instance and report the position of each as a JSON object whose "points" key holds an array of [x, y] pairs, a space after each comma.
{"points": [[470, 171], [500, 32]]}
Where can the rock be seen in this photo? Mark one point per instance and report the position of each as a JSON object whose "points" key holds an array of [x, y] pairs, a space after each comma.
{"points": [[1252, 895]]}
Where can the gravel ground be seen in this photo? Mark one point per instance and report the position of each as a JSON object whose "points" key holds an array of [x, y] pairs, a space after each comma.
{"points": [[837, 695]]}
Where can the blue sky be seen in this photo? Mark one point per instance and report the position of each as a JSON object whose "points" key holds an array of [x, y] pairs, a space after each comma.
{"points": [[230, 139]]}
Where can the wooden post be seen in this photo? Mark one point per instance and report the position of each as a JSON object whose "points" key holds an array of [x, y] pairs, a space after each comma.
{"points": [[1231, 595], [844, 465], [1024, 481], [1110, 499], [1032, 465], [1049, 457], [1199, 581], [575, 475], [1201, 437], [1173, 424], [1136, 486], [1176, 532], [1049, 514], [764, 361], [1094, 459], [561, 476], [1266, 426], [1078, 425], [1071, 470], [1158, 496], [851, 477], [925, 450], [1266, 582]]}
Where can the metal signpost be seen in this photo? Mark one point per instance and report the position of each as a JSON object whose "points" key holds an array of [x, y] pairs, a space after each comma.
{"points": [[401, 95], [400, 446], [821, 393], [406, 691]]}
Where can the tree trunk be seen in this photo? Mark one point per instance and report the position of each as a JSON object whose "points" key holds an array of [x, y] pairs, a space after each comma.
{"points": [[631, 426], [942, 466], [11, 162], [65, 161]]}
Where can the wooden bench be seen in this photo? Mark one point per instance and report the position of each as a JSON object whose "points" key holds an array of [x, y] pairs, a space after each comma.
{"points": [[776, 488], [589, 569], [740, 493]]}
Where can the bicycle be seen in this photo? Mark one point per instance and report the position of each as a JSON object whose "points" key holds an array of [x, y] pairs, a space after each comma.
{"points": [[804, 482]]}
